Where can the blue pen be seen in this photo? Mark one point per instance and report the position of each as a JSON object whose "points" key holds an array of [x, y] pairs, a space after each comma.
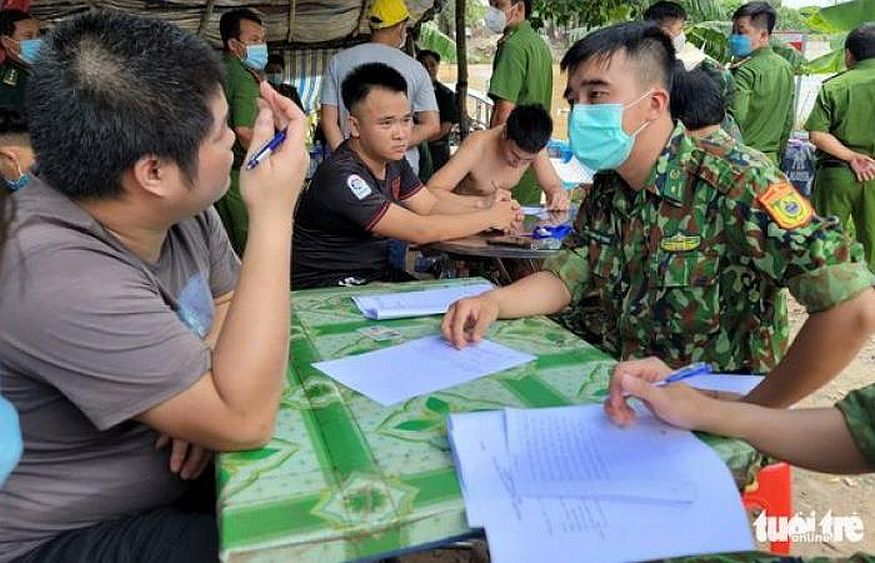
{"points": [[265, 151], [699, 368]]}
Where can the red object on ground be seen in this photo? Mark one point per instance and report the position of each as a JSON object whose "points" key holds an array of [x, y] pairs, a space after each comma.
{"points": [[773, 492]]}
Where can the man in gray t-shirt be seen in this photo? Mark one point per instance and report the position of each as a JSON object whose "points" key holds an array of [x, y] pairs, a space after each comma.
{"points": [[388, 21], [127, 320]]}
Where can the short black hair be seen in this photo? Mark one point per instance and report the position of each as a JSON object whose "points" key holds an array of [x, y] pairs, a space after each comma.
{"points": [[530, 127], [761, 14], [527, 4], [124, 87], [364, 78], [420, 56], [10, 17], [664, 11], [229, 24], [696, 100], [861, 42], [644, 43], [276, 59]]}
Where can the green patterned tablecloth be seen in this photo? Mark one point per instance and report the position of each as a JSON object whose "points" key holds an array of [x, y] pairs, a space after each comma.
{"points": [[345, 478]]}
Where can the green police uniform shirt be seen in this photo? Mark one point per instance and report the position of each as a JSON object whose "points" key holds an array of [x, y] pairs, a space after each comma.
{"points": [[845, 108], [692, 266], [523, 69], [523, 74], [242, 92], [762, 104], [858, 408]]}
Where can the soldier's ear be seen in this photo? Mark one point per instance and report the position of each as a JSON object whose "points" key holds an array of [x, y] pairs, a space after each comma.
{"points": [[7, 42], [850, 61]]}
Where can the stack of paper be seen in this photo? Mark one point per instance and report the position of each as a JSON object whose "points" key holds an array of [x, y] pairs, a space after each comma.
{"points": [[419, 367], [415, 303], [564, 484]]}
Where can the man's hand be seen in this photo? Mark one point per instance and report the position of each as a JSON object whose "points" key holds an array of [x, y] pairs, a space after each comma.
{"points": [[187, 460], [274, 185], [649, 370], [467, 319], [677, 404], [863, 167], [557, 200], [505, 215]]}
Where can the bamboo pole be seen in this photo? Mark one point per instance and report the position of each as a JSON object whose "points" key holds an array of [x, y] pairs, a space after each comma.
{"points": [[462, 66]]}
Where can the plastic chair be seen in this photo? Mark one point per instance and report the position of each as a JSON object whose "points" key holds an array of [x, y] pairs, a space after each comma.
{"points": [[772, 492]]}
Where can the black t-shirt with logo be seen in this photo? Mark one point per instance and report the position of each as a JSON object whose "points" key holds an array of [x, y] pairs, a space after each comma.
{"points": [[333, 237]]}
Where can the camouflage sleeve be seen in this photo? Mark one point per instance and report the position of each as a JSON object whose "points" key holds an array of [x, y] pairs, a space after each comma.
{"points": [[572, 267], [769, 221], [722, 76], [858, 408]]}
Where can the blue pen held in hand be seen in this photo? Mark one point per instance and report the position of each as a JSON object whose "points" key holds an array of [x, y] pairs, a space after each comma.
{"points": [[266, 150], [699, 368]]}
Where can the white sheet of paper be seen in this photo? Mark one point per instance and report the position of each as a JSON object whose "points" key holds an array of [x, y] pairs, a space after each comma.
{"points": [[418, 367], [528, 529], [742, 384], [415, 303], [535, 210], [578, 452]]}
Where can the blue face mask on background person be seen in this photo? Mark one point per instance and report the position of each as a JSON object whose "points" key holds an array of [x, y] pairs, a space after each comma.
{"points": [[740, 45], [30, 50], [256, 56], [597, 137]]}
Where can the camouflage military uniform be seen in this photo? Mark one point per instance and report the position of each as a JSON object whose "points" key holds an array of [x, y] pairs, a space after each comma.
{"points": [[691, 268], [858, 407], [723, 77]]}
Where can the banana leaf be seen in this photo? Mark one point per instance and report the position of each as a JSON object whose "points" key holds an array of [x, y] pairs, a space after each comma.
{"points": [[433, 39]]}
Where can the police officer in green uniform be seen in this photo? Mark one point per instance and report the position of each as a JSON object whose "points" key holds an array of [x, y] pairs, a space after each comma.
{"points": [[522, 74], [688, 244], [19, 38], [842, 127], [763, 99], [245, 57]]}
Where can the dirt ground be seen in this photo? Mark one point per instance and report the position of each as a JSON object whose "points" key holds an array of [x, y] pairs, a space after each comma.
{"points": [[843, 495]]}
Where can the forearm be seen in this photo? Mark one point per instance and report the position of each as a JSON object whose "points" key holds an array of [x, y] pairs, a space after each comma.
{"points": [[449, 203], [434, 228], [816, 439], [827, 342], [251, 355], [830, 145], [541, 293], [333, 135], [424, 132]]}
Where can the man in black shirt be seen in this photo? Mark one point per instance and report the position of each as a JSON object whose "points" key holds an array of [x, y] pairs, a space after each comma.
{"points": [[449, 112], [366, 193]]}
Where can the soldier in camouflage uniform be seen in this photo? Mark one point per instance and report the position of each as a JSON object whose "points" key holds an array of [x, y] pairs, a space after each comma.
{"points": [[686, 243]]}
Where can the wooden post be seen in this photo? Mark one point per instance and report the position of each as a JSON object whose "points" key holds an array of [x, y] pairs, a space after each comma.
{"points": [[462, 66], [205, 18]]}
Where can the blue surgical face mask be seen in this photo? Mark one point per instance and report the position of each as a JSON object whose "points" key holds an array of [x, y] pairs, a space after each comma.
{"points": [[740, 45], [30, 50], [597, 137], [256, 56]]}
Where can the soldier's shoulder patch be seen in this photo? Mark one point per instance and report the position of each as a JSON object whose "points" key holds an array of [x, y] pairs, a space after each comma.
{"points": [[358, 186], [786, 206]]}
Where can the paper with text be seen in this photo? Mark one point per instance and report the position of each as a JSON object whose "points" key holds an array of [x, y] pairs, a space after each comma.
{"points": [[415, 303], [524, 529], [418, 367]]}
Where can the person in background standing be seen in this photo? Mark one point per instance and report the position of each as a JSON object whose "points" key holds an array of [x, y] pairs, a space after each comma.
{"points": [[245, 56], [447, 108], [842, 127], [522, 73], [763, 100]]}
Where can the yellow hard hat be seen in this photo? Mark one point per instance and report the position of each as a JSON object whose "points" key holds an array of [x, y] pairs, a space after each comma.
{"points": [[386, 13]]}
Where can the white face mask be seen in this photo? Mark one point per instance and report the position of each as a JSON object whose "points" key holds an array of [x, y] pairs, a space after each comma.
{"points": [[679, 41], [495, 20]]}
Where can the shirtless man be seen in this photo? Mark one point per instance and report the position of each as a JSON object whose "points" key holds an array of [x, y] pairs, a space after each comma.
{"points": [[491, 162]]}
